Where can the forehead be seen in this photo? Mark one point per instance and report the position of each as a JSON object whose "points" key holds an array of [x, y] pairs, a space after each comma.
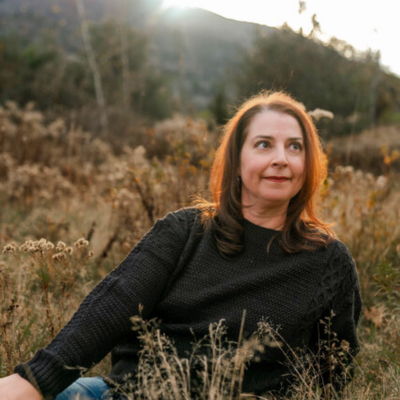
{"points": [[274, 123]]}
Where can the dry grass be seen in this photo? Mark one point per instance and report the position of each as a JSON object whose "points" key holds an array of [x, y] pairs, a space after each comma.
{"points": [[376, 150], [72, 209]]}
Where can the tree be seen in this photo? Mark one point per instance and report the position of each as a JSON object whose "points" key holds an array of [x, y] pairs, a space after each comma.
{"points": [[219, 107], [316, 73], [62, 83]]}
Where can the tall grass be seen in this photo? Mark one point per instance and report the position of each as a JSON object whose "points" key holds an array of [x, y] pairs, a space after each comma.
{"points": [[72, 209]]}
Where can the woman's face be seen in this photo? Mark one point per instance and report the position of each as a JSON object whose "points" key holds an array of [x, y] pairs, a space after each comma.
{"points": [[272, 160]]}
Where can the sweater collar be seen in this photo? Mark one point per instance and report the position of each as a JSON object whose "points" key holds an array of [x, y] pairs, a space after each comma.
{"points": [[258, 234]]}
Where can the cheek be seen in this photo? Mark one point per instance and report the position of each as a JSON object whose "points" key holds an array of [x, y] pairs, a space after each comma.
{"points": [[300, 171], [298, 165], [245, 164], [250, 167]]}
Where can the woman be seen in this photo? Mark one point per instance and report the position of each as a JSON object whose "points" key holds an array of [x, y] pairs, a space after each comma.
{"points": [[258, 247]]}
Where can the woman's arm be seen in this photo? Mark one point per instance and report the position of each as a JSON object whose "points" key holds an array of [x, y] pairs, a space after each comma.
{"points": [[104, 316], [335, 335]]}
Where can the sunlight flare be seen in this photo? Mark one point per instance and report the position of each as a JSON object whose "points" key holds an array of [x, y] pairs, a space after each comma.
{"points": [[177, 3]]}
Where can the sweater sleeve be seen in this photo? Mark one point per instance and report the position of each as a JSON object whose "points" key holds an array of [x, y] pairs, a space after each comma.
{"points": [[335, 335], [103, 318]]}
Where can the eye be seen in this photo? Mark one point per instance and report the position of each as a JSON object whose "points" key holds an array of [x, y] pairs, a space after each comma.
{"points": [[262, 144], [296, 146]]}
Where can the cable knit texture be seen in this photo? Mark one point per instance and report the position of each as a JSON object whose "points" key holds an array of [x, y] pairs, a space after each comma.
{"points": [[177, 274]]}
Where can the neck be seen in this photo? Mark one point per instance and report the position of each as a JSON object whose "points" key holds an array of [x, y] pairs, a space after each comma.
{"points": [[271, 217]]}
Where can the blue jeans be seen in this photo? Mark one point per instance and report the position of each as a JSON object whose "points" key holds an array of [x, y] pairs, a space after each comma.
{"points": [[85, 389]]}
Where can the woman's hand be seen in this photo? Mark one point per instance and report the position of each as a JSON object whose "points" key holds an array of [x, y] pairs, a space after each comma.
{"points": [[14, 387]]}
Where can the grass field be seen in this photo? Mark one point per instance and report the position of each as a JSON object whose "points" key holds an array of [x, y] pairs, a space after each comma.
{"points": [[72, 208]]}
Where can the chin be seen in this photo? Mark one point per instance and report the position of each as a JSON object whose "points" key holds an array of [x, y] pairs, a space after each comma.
{"points": [[275, 201], [277, 198]]}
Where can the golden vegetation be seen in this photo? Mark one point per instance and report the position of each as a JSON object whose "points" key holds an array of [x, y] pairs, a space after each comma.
{"points": [[72, 209]]}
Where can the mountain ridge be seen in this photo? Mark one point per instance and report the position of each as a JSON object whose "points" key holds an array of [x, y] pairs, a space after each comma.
{"points": [[197, 49]]}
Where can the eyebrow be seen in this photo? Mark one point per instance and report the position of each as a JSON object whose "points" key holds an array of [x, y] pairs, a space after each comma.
{"points": [[271, 137]]}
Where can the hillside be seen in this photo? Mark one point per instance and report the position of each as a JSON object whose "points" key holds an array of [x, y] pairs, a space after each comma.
{"points": [[153, 62], [195, 48]]}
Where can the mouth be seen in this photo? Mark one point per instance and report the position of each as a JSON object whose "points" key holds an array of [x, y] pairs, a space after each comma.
{"points": [[277, 178]]}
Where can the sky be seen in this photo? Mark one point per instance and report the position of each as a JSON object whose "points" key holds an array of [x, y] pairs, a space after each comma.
{"points": [[365, 24]]}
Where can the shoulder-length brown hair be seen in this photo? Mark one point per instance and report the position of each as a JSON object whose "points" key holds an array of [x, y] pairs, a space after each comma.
{"points": [[302, 229]]}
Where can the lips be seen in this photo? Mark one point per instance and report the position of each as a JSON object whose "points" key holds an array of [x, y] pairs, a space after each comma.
{"points": [[277, 178]]}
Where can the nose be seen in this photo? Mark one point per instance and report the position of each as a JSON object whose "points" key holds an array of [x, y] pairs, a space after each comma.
{"points": [[279, 157]]}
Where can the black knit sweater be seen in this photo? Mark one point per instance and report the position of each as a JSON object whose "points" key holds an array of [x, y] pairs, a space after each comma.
{"points": [[177, 274]]}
